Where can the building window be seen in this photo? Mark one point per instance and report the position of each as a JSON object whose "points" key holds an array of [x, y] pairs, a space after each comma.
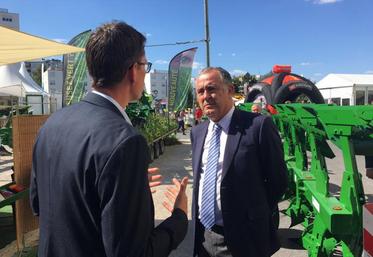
{"points": [[370, 97], [52, 83], [7, 19], [336, 100], [346, 101], [360, 97]]}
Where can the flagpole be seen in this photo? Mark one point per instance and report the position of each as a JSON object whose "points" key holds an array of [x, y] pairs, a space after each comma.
{"points": [[207, 34]]}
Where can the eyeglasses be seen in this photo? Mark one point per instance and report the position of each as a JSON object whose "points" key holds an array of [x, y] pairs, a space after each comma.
{"points": [[147, 65]]}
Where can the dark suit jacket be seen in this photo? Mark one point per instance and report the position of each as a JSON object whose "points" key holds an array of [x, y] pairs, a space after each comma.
{"points": [[253, 180], [89, 187]]}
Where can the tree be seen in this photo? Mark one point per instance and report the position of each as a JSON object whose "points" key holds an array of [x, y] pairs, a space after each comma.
{"points": [[36, 75], [241, 80]]}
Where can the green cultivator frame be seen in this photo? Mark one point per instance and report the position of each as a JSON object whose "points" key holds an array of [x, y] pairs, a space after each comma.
{"points": [[330, 223]]}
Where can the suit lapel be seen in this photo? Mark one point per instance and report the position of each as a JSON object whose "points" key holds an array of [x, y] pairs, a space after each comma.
{"points": [[200, 137], [234, 136]]}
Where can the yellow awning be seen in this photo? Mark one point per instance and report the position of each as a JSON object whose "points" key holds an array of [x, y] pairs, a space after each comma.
{"points": [[18, 46]]}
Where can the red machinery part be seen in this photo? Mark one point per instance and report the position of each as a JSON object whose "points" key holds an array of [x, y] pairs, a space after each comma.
{"points": [[368, 229], [277, 68]]}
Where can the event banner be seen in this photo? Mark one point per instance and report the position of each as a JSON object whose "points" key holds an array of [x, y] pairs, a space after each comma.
{"points": [[75, 71], [179, 79]]}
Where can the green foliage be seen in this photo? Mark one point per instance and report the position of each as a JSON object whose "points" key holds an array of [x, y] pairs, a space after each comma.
{"points": [[156, 126], [241, 80], [6, 109], [36, 75], [171, 140], [139, 112]]}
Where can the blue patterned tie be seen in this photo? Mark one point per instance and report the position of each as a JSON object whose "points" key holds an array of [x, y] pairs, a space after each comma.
{"points": [[209, 183]]}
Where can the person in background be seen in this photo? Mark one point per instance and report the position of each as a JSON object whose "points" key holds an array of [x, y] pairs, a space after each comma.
{"points": [[181, 122], [257, 108], [198, 115], [89, 181], [239, 174]]}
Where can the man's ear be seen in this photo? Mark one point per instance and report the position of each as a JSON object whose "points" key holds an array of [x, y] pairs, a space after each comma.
{"points": [[131, 74], [231, 89]]}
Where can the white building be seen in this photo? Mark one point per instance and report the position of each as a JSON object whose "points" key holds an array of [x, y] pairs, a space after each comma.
{"points": [[52, 80], [9, 20], [156, 85], [347, 89]]}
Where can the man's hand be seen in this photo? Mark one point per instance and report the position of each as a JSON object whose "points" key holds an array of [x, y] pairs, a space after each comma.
{"points": [[177, 196], [154, 178]]}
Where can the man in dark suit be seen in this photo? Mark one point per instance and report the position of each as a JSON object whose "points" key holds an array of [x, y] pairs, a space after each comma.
{"points": [[239, 174], [89, 183]]}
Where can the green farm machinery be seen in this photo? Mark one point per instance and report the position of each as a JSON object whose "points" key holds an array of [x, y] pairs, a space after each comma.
{"points": [[329, 222]]}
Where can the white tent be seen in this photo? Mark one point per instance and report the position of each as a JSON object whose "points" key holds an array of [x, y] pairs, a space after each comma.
{"points": [[15, 81], [347, 89]]}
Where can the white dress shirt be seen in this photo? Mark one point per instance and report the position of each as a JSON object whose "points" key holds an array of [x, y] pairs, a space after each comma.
{"points": [[224, 123], [125, 116]]}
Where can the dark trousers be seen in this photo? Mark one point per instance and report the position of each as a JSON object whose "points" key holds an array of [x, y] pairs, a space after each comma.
{"points": [[212, 242], [181, 125]]}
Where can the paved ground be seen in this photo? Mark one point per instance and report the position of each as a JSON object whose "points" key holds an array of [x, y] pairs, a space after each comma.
{"points": [[176, 162]]}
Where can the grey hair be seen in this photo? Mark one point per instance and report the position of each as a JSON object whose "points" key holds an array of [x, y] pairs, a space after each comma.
{"points": [[224, 75]]}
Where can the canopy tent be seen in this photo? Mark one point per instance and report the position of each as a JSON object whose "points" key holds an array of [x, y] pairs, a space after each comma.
{"points": [[30, 81], [18, 46], [347, 89], [15, 81]]}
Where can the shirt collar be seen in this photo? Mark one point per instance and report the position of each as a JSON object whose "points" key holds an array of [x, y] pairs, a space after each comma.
{"points": [[112, 100], [225, 121]]}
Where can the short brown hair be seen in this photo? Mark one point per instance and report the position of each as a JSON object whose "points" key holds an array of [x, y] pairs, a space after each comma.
{"points": [[111, 50]]}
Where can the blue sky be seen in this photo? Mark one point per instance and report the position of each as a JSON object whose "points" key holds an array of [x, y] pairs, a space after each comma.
{"points": [[316, 37]]}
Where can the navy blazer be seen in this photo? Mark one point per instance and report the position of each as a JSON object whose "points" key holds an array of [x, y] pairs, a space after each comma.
{"points": [[90, 188], [254, 178]]}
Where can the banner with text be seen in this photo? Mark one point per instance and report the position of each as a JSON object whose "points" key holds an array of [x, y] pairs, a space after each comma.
{"points": [[75, 71], [179, 79]]}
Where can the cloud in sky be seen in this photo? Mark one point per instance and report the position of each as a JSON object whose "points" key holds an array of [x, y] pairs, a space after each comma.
{"points": [[305, 64], [237, 72], [369, 72], [148, 34], [60, 40], [161, 62], [324, 1], [233, 54], [220, 54], [197, 66]]}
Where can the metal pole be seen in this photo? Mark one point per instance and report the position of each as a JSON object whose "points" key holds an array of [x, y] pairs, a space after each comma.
{"points": [[207, 34]]}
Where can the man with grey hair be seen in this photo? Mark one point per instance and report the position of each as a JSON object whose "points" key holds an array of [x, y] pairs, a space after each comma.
{"points": [[239, 174]]}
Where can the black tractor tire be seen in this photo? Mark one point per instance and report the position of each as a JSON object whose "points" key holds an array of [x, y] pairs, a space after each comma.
{"points": [[291, 91], [257, 90]]}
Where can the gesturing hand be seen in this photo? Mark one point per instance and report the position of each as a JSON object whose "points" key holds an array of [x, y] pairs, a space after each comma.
{"points": [[154, 178], [177, 196]]}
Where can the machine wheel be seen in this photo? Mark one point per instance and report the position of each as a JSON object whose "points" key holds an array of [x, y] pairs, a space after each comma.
{"points": [[257, 91], [293, 90], [151, 152], [161, 146], [156, 150]]}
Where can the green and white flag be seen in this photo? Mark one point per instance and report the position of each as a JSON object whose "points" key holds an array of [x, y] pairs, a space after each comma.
{"points": [[179, 79], [75, 71]]}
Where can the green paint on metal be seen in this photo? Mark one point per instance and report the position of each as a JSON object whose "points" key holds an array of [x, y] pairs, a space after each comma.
{"points": [[306, 130]]}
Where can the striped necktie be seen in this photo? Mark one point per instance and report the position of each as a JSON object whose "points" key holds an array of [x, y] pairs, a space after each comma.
{"points": [[209, 183]]}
